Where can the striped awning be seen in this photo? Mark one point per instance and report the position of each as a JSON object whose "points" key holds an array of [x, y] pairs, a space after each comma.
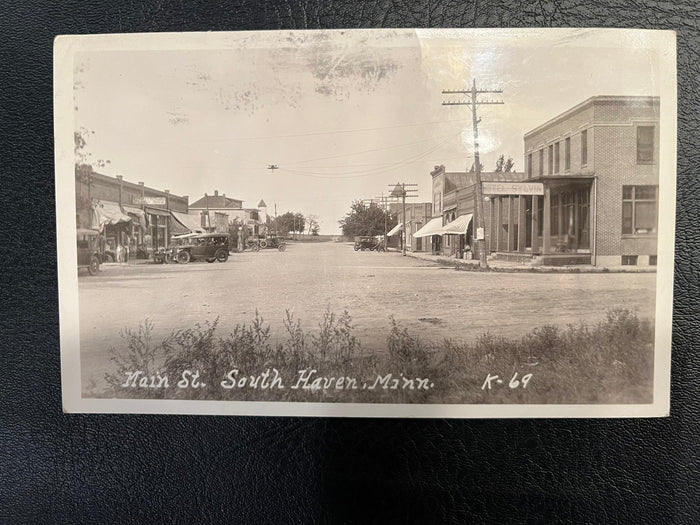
{"points": [[106, 212], [396, 229], [191, 223], [138, 214], [433, 227], [458, 226]]}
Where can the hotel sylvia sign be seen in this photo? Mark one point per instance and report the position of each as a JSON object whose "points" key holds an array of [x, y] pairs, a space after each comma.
{"points": [[513, 188]]}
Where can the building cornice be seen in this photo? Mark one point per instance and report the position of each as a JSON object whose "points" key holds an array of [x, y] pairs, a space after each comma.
{"points": [[588, 103]]}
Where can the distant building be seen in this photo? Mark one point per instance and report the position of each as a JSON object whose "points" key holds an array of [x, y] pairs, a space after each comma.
{"points": [[218, 213], [417, 215], [126, 213]]}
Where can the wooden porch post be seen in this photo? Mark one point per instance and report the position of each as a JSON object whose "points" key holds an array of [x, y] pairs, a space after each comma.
{"points": [[535, 221], [546, 230]]}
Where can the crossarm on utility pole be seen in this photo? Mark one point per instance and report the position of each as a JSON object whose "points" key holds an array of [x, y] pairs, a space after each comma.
{"points": [[478, 194]]}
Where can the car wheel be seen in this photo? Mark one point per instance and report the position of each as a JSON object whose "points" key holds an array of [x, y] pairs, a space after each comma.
{"points": [[168, 259], [222, 256], [282, 247], [263, 243], [183, 257], [356, 248], [94, 266]]}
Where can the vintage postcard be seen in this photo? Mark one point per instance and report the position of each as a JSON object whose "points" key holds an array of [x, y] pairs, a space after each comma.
{"points": [[367, 223]]}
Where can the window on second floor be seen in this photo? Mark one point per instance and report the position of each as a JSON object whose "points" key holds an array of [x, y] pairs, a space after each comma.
{"points": [[567, 154], [540, 168], [645, 144], [584, 147], [550, 159], [556, 157]]}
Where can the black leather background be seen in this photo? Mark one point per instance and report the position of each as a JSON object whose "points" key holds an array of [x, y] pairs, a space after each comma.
{"points": [[57, 468]]}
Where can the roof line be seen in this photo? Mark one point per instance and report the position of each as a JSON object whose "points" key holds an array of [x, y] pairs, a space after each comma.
{"points": [[588, 102]]}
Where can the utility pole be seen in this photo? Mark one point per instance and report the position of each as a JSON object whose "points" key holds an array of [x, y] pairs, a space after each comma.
{"points": [[401, 191], [478, 194]]}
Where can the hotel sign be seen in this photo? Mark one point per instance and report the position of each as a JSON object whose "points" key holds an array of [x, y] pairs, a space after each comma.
{"points": [[150, 201], [513, 188]]}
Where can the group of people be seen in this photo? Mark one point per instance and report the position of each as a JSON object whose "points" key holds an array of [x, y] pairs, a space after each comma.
{"points": [[121, 252]]}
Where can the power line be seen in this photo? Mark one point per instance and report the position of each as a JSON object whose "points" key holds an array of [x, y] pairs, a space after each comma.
{"points": [[335, 132], [365, 173]]}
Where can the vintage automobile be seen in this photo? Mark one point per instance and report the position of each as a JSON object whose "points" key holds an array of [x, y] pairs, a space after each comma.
{"points": [[273, 241], [88, 256], [196, 246], [369, 243]]}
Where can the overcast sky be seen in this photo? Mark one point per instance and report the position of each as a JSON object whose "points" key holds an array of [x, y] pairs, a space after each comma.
{"points": [[343, 114]]}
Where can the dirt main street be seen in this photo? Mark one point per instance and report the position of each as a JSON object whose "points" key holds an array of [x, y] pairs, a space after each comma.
{"points": [[431, 301]]}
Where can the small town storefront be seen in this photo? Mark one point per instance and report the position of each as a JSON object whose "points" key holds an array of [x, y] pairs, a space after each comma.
{"points": [[432, 229], [158, 228], [552, 222], [458, 236], [114, 226]]}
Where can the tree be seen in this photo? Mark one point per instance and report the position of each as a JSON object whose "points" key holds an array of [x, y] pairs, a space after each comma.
{"points": [[504, 165], [290, 222], [82, 155], [364, 219], [481, 166], [313, 226]]}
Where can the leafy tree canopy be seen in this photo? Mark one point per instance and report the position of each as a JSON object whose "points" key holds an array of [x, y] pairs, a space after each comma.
{"points": [[504, 165], [366, 219], [289, 222]]}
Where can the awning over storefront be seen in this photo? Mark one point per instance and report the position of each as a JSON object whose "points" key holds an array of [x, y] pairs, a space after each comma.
{"points": [[433, 227], [106, 212], [396, 229], [192, 223], [138, 213], [175, 227], [458, 226]]}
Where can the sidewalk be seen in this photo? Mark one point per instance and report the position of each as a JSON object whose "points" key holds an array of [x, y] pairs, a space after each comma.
{"points": [[509, 266]]}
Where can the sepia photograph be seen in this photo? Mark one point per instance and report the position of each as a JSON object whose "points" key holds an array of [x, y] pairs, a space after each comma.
{"points": [[367, 223]]}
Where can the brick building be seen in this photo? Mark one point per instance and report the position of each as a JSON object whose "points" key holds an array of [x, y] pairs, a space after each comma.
{"points": [[126, 213], [598, 165], [417, 215], [451, 230]]}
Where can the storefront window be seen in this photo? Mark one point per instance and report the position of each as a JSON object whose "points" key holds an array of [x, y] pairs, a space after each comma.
{"points": [[554, 215], [528, 221], [583, 219]]}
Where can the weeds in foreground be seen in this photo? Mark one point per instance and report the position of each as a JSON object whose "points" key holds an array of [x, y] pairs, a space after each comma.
{"points": [[610, 362]]}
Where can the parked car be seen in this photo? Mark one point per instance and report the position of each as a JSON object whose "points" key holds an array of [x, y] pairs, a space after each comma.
{"points": [[88, 256], [369, 243], [273, 241], [193, 247]]}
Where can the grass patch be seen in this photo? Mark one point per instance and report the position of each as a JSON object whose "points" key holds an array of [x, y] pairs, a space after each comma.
{"points": [[609, 362]]}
